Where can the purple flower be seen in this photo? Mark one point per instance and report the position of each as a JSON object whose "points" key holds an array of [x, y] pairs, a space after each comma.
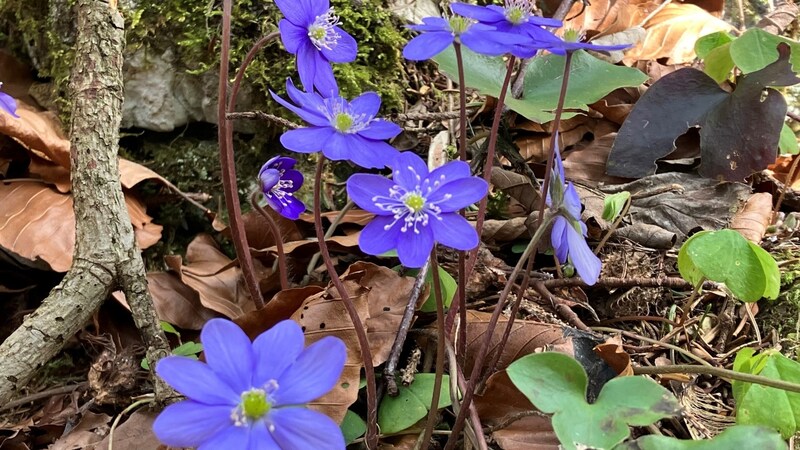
{"points": [[516, 18], [555, 44], [342, 130], [251, 395], [278, 181], [8, 103], [438, 34], [416, 208], [568, 236], [310, 30]]}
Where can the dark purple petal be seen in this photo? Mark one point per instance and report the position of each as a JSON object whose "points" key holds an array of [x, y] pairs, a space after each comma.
{"points": [[431, 24], [268, 178], [479, 13], [281, 162], [380, 129], [275, 350], [301, 428], [370, 154], [188, 423], [296, 177], [545, 21], [231, 437], [367, 104], [312, 117], [454, 231], [8, 104], [362, 187], [307, 140], [292, 208], [428, 45], [375, 239], [450, 171], [413, 248], [295, 12], [196, 381], [558, 239], [586, 263], [459, 193], [314, 373], [229, 353], [292, 35], [409, 170], [344, 51]]}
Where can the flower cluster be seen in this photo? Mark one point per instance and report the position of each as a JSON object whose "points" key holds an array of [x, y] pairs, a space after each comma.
{"points": [[7, 103], [278, 181], [252, 395]]}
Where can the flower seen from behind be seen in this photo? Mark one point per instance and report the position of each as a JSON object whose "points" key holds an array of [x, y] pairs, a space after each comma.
{"points": [[252, 395], [310, 30], [417, 208], [568, 235], [571, 42], [342, 130], [438, 33], [7, 103], [278, 181]]}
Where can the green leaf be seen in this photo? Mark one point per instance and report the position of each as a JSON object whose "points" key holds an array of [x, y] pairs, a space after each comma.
{"points": [[168, 328], [556, 383], [709, 42], [411, 404], [756, 49], [788, 141], [449, 287], [613, 205], [590, 80], [188, 349], [519, 247], [762, 405], [735, 437], [145, 364], [719, 63], [353, 426], [725, 256]]}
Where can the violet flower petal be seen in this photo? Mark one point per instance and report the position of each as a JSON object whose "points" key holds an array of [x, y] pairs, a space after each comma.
{"points": [[300, 428], [189, 423], [325, 360], [228, 352]]}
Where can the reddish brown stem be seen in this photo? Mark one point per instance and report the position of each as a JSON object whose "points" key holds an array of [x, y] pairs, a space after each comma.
{"points": [[273, 228], [461, 290], [437, 379]]}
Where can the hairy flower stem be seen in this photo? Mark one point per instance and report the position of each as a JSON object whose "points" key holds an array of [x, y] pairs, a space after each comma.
{"points": [[273, 228], [461, 290], [475, 375], [440, 340], [228, 166], [487, 175], [371, 439]]}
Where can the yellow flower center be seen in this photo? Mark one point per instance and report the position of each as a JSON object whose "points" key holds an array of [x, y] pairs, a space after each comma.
{"points": [[415, 202], [255, 404], [343, 122], [515, 15]]}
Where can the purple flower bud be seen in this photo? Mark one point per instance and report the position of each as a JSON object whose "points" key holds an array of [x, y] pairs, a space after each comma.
{"points": [[279, 180]]}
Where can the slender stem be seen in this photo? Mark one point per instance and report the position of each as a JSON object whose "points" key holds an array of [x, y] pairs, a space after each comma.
{"points": [[719, 372], [629, 334], [613, 226], [487, 175], [273, 228], [371, 440], [437, 379], [461, 290], [487, 338], [457, 383], [228, 165], [332, 229]]}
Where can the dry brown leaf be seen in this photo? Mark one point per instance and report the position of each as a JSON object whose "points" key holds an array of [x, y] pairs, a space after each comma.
{"points": [[616, 106], [587, 163], [379, 295], [259, 236], [752, 220], [616, 357], [281, 307], [672, 32], [136, 433], [504, 231], [781, 168], [607, 16], [354, 216], [90, 430], [38, 131], [306, 248], [215, 277], [516, 186]]}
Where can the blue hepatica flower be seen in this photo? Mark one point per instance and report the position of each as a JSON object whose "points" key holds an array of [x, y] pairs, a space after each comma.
{"points": [[342, 130], [416, 208], [516, 17], [251, 395], [570, 43], [279, 180], [8, 104], [311, 31], [568, 236], [438, 34]]}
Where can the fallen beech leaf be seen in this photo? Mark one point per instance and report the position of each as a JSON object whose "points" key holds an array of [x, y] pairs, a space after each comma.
{"points": [[135, 433], [306, 248], [616, 357], [38, 131], [281, 307], [752, 220], [607, 16], [354, 216], [379, 294], [503, 231], [516, 186], [587, 163]]}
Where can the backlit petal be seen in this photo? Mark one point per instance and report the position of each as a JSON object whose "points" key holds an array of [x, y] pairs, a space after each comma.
{"points": [[367, 104], [479, 13], [375, 239], [293, 11], [231, 437], [427, 45], [459, 193], [292, 36], [380, 129], [586, 263], [344, 51], [409, 170], [370, 154], [307, 140]]}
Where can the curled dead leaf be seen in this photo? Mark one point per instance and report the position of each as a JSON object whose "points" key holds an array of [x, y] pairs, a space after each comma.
{"points": [[752, 220]]}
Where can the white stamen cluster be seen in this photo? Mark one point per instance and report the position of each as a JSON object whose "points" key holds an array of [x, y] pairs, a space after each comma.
{"points": [[412, 205], [278, 191], [518, 11], [322, 32], [341, 116]]}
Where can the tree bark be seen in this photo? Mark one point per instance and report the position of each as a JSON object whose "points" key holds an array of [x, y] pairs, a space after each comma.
{"points": [[106, 255]]}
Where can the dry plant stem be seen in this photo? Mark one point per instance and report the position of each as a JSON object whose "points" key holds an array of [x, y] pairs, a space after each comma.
{"points": [[332, 229], [371, 440], [461, 289], [402, 331], [437, 379], [789, 178], [106, 255], [457, 383], [615, 282], [228, 166], [276, 233], [487, 175], [718, 372], [44, 394], [564, 312], [689, 355], [613, 226], [475, 376], [114, 425], [265, 117]]}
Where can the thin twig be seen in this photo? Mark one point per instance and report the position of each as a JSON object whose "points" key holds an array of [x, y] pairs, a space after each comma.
{"points": [[565, 312], [719, 372], [437, 383], [629, 334], [261, 115], [276, 233], [332, 229], [44, 394]]}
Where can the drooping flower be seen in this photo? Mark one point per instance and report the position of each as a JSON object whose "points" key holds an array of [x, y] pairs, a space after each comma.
{"points": [[417, 208], [310, 30], [7, 103], [438, 33], [516, 17], [568, 235], [252, 395], [571, 42], [342, 130], [279, 180]]}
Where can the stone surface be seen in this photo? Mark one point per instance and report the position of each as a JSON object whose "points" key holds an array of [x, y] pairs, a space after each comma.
{"points": [[412, 11]]}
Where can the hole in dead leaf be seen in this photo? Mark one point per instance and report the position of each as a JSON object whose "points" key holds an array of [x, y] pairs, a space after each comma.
{"points": [[322, 326], [386, 308]]}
